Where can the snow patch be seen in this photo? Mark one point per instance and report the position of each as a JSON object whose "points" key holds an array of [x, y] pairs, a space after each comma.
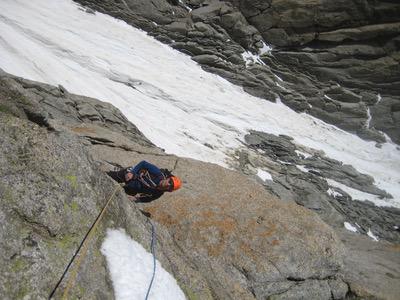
{"points": [[266, 49], [372, 236], [368, 122], [350, 227], [333, 193], [302, 168], [329, 98], [174, 97], [131, 270], [302, 154], [379, 99], [359, 195], [187, 7], [264, 175], [251, 58]]}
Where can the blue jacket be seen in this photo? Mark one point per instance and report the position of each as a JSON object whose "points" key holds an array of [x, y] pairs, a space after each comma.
{"points": [[146, 177]]}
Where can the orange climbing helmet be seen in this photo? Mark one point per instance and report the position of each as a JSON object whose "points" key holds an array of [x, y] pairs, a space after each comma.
{"points": [[176, 183]]}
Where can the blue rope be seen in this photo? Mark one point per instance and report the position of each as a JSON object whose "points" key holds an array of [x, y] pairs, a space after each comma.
{"points": [[153, 246]]}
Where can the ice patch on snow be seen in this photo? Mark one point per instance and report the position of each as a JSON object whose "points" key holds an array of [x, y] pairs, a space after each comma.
{"points": [[350, 227], [131, 269], [264, 175]]}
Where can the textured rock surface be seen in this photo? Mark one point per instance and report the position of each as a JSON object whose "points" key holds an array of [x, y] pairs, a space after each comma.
{"points": [[51, 192], [221, 236], [54, 146], [309, 188], [239, 234], [335, 60]]}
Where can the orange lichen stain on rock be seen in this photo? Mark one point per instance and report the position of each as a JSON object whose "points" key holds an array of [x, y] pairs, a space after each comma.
{"points": [[207, 214], [395, 247], [83, 130], [215, 250], [269, 232], [275, 242], [223, 227], [161, 217], [248, 251], [260, 228]]}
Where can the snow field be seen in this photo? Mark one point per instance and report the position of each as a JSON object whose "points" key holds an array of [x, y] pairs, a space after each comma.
{"points": [[176, 104], [131, 269], [171, 100]]}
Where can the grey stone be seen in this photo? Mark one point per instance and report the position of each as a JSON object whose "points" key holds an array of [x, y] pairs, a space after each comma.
{"points": [[206, 12], [53, 188], [309, 289], [338, 288], [180, 27]]}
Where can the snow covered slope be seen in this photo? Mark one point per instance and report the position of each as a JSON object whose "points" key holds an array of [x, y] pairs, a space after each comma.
{"points": [[175, 103]]}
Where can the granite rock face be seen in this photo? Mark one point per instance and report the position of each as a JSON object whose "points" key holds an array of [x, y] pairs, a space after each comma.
{"points": [[240, 234], [300, 175], [222, 235], [337, 61]]}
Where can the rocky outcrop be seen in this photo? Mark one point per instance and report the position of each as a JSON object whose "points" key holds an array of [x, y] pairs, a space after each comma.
{"points": [[300, 175], [337, 61], [239, 237], [353, 43], [223, 235]]}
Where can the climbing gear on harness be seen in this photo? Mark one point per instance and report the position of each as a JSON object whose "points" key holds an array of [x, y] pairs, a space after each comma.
{"points": [[145, 179]]}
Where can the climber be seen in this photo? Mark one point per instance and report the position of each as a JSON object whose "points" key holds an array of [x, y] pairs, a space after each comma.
{"points": [[145, 182]]}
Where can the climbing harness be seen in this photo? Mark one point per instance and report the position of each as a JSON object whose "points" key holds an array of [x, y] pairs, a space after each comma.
{"points": [[146, 180], [84, 246], [153, 246]]}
